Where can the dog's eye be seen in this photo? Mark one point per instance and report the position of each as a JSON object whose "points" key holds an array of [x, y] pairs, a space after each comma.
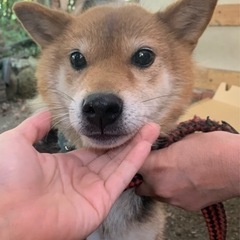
{"points": [[78, 61], [143, 58]]}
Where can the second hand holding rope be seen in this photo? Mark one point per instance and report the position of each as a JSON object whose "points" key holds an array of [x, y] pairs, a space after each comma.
{"points": [[214, 215]]}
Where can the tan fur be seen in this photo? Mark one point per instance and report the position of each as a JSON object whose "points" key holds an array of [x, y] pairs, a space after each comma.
{"points": [[108, 36]]}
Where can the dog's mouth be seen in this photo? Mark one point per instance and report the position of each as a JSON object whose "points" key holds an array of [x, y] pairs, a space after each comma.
{"points": [[107, 139]]}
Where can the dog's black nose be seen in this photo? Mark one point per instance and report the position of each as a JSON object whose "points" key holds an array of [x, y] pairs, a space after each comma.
{"points": [[102, 109]]}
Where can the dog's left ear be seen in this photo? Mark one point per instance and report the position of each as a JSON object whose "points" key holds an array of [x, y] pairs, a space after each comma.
{"points": [[188, 19]]}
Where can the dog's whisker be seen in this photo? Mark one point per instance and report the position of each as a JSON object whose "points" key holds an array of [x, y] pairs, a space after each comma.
{"points": [[56, 108], [63, 94], [76, 141], [59, 119], [158, 97]]}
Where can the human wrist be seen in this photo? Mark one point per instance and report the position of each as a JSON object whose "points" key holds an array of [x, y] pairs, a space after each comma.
{"points": [[4, 227], [10, 224], [215, 156], [9, 216], [229, 162], [10, 220], [18, 222]]}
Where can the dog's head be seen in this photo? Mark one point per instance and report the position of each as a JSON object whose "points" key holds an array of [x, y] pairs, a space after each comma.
{"points": [[106, 72]]}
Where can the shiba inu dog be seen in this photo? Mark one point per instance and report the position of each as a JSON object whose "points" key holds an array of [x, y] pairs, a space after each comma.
{"points": [[108, 70]]}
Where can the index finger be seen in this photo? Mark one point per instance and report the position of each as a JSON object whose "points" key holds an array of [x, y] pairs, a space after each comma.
{"points": [[120, 178]]}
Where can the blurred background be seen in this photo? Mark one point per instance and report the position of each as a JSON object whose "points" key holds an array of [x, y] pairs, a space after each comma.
{"points": [[219, 47]]}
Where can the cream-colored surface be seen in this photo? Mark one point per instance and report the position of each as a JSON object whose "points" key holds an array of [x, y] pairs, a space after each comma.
{"points": [[155, 5], [219, 47], [225, 106]]}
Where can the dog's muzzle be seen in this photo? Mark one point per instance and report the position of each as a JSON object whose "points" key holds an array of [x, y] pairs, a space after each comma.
{"points": [[103, 120]]}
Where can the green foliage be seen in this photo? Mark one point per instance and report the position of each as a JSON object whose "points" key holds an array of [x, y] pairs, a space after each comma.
{"points": [[13, 39], [6, 8], [12, 35], [12, 32]]}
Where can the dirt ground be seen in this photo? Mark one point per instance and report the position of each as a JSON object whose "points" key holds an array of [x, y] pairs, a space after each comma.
{"points": [[181, 225]]}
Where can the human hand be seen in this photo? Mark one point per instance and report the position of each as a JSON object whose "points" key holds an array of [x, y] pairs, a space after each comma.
{"points": [[200, 170], [61, 196]]}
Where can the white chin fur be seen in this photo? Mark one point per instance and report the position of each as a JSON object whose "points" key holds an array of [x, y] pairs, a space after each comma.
{"points": [[111, 143]]}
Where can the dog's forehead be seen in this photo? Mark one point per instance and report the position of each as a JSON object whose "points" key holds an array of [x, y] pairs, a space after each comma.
{"points": [[106, 32], [111, 24], [115, 15]]}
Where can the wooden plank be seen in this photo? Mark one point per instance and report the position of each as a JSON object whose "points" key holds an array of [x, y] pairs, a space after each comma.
{"points": [[208, 78], [226, 15]]}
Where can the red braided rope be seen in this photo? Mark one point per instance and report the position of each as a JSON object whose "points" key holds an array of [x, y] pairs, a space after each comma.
{"points": [[214, 215]]}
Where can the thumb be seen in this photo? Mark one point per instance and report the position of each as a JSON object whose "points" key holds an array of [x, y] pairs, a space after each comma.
{"points": [[35, 127], [151, 171], [132, 157]]}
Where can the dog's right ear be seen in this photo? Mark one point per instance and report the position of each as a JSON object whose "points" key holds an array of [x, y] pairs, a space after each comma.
{"points": [[188, 19], [42, 24]]}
